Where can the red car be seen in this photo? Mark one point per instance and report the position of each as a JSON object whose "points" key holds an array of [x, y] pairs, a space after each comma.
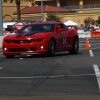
{"points": [[39, 38]]}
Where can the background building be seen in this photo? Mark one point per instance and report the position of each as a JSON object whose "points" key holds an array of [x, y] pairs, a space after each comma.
{"points": [[82, 8]]}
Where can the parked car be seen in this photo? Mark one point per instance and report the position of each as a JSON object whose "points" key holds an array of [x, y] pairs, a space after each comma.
{"points": [[40, 38], [11, 26]]}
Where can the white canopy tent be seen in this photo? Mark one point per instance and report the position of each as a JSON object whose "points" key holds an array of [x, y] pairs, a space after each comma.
{"points": [[70, 23]]}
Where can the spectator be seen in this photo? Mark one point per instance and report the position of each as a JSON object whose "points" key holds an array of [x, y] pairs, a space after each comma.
{"points": [[96, 27], [82, 27], [89, 28], [92, 28]]}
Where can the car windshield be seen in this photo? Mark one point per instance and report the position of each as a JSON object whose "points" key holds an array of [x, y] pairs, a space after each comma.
{"points": [[37, 28]]}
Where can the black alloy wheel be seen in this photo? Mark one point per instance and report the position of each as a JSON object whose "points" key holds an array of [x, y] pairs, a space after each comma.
{"points": [[51, 48], [75, 47]]}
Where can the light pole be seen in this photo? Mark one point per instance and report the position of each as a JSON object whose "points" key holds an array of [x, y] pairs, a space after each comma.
{"points": [[1, 20], [18, 10], [57, 7], [42, 10]]}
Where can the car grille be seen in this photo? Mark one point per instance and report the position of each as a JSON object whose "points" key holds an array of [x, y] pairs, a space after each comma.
{"points": [[21, 41], [18, 41], [21, 49]]}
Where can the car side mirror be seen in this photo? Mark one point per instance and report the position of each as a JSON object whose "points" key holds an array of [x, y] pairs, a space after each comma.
{"points": [[60, 29], [16, 31]]}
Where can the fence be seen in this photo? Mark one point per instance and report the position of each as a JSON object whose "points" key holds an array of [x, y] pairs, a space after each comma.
{"points": [[95, 6]]}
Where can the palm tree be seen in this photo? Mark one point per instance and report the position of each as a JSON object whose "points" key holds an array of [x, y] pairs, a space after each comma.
{"points": [[18, 2]]}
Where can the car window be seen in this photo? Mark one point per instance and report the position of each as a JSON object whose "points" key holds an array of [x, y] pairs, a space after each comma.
{"points": [[47, 27], [27, 29], [65, 27], [38, 28], [61, 26]]}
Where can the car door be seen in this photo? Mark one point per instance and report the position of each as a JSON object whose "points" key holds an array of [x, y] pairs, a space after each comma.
{"points": [[66, 38], [63, 38], [60, 36]]}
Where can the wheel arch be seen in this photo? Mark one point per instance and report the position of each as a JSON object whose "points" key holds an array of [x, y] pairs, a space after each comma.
{"points": [[52, 38], [76, 38], [52, 46]]}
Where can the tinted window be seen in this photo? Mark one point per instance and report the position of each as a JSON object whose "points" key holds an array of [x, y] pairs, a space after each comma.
{"points": [[65, 27], [61, 26], [37, 28]]}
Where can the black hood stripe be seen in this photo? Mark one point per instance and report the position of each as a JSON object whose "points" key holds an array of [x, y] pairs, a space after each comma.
{"points": [[27, 34]]}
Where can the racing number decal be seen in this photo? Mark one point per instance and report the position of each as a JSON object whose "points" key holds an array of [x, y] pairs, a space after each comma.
{"points": [[64, 40]]}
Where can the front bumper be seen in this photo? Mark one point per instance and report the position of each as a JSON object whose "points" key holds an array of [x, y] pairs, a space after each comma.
{"points": [[28, 48]]}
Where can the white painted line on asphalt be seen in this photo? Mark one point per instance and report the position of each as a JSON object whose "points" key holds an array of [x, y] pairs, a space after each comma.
{"points": [[97, 72], [28, 55], [1, 67], [91, 53], [56, 76], [82, 75], [20, 58]]}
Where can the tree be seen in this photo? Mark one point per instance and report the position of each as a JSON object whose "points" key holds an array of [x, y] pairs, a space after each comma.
{"points": [[88, 21], [51, 17], [18, 2], [98, 21]]}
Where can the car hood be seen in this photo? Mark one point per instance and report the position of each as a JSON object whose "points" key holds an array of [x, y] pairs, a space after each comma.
{"points": [[25, 35]]}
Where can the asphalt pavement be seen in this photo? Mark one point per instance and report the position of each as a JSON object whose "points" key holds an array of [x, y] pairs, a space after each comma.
{"points": [[62, 77]]}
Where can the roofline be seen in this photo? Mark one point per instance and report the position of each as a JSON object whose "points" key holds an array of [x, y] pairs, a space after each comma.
{"points": [[46, 22], [48, 12]]}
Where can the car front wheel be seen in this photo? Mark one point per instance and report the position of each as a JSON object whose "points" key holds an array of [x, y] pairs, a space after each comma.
{"points": [[75, 47], [51, 48]]}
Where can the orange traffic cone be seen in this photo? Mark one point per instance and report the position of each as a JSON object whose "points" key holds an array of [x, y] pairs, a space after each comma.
{"points": [[87, 45]]}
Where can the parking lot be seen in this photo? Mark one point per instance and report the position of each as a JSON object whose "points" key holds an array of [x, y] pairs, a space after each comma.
{"points": [[74, 76]]}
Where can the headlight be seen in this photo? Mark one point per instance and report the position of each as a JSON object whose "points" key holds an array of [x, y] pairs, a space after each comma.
{"points": [[7, 41], [38, 39]]}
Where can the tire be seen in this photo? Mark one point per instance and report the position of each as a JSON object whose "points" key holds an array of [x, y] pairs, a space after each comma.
{"points": [[9, 56], [75, 47], [51, 48]]}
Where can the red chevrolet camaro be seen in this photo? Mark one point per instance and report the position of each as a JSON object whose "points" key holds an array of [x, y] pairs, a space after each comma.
{"points": [[40, 38]]}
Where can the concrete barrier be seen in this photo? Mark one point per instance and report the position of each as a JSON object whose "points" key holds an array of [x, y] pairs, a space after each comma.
{"points": [[1, 38], [83, 34]]}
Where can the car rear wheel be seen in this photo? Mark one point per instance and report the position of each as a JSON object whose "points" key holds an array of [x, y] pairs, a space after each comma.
{"points": [[75, 47], [51, 48], [9, 56]]}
